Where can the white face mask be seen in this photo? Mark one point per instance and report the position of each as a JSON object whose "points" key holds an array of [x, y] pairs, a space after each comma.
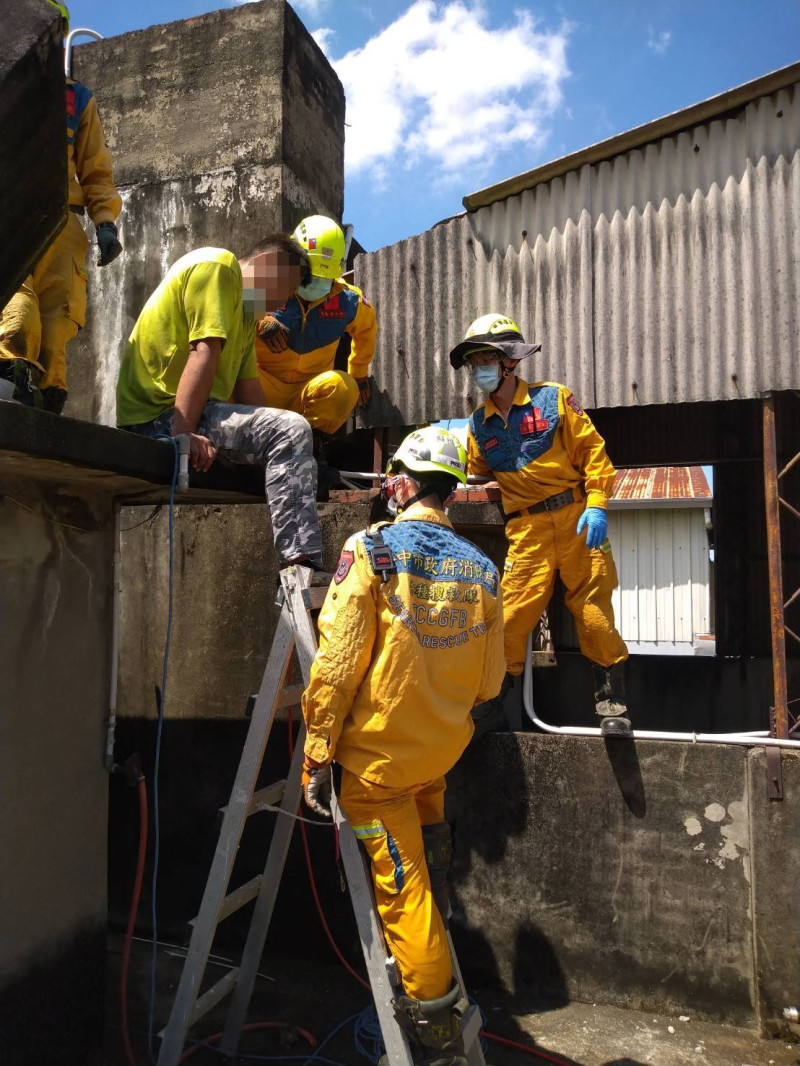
{"points": [[315, 289], [486, 377]]}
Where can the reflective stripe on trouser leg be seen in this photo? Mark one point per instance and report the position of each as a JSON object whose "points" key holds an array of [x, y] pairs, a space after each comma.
{"points": [[386, 821], [59, 279], [528, 584], [590, 577], [328, 399], [281, 440]]}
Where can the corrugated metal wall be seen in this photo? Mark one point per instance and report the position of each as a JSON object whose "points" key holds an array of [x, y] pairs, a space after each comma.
{"points": [[668, 274], [663, 600]]}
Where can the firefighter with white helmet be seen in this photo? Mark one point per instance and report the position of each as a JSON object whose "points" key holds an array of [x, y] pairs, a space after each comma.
{"points": [[555, 478], [46, 313], [297, 343], [410, 639]]}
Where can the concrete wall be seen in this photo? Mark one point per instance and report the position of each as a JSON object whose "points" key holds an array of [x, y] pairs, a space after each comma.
{"points": [[54, 629], [222, 128], [673, 890]]}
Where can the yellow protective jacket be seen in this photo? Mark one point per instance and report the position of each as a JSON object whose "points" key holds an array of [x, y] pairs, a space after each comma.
{"points": [[91, 181], [314, 334], [401, 664], [548, 445]]}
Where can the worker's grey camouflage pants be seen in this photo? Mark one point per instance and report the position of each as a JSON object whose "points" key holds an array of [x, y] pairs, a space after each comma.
{"points": [[282, 441]]}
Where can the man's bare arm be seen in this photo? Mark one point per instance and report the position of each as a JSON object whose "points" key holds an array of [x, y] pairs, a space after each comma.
{"points": [[193, 392], [249, 392]]}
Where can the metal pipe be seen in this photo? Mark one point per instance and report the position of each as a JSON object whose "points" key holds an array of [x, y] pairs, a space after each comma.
{"points": [[754, 740], [111, 722], [773, 523], [80, 32]]}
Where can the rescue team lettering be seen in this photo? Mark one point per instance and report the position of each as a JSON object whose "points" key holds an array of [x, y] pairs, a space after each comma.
{"points": [[438, 593], [442, 617], [449, 566], [331, 308], [430, 616]]}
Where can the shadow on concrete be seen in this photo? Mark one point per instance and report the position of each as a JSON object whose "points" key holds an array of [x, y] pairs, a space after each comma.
{"points": [[488, 805], [624, 760], [624, 1062]]}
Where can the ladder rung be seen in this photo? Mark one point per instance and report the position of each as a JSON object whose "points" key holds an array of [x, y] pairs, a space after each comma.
{"points": [[235, 900], [264, 798], [290, 696], [314, 597], [210, 999]]}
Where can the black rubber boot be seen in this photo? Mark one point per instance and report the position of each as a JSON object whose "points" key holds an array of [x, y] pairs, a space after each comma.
{"points": [[438, 843], [490, 717], [327, 476], [609, 696], [434, 1026]]}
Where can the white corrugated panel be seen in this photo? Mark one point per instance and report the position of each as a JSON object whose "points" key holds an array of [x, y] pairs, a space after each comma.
{"points": [[669, 273], [663, 601]]}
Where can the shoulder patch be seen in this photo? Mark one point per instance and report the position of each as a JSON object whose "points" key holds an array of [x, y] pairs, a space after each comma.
{"points": [[573, 403], [343, 569]]}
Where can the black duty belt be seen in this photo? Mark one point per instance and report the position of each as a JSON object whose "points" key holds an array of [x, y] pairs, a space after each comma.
{"points": [[552, 503], [77, 209]]}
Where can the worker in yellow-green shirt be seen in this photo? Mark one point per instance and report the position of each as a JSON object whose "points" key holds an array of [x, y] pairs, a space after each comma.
{"points": [[193, 348]]}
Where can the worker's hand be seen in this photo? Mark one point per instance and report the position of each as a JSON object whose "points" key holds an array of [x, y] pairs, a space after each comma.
{"points": [[202, 452], [108, 243], [273, 333], [317, 791], [364, 391], [596, 521]]}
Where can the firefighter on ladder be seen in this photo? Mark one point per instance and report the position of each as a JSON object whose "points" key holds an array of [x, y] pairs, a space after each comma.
{"points": [[555, 479], [411, 637]]}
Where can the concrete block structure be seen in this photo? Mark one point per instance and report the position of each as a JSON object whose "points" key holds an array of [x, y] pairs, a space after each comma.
{"points": [[205, 153]]}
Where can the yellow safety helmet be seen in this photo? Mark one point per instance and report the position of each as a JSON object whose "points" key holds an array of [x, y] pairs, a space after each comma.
{"points": [[63, 10], [431, 449], [495, 332], [323, 240]]}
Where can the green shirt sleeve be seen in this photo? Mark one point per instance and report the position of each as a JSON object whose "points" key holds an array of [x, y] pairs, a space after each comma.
{"points": [[212, 300]]}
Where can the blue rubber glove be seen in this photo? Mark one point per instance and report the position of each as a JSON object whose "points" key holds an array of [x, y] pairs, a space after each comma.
{"points": [[597, 521]]}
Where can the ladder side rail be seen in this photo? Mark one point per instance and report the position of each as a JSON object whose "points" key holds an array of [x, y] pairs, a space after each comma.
{"points": [[370, 933], [295, 581], [233, 822]]}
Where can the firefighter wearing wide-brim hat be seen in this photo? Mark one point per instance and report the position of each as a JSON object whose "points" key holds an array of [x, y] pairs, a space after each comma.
{"points": [[555, 478]]}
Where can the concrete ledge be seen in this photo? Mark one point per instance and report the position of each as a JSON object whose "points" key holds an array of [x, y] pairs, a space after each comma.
{"points": [[47, 447]]}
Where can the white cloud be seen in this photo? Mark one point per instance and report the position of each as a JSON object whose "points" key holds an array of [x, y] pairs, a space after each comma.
{"points": [[440, 85], [324, 37], [311, 8], [658, 42]]}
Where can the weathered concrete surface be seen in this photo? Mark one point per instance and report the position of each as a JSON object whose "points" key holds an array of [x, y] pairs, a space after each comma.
{"points": [[206, 152], [319, 997], [54, 630], [612, 873], [775, 843], [226, 579], [33, 170]]}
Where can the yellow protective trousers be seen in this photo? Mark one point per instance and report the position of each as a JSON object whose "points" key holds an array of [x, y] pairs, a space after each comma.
{"points": [[47, 311], [538, 546], [388, 822], [325, 400]]}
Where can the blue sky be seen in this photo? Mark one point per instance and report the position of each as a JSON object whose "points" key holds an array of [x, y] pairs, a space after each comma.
{"points": [[445, 98]]}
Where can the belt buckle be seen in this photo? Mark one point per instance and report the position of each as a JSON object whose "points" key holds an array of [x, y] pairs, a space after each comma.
{"points": [[552, 503]]}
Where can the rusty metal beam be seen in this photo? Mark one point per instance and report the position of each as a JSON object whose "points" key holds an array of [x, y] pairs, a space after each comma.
{"points": [[773, 522]]}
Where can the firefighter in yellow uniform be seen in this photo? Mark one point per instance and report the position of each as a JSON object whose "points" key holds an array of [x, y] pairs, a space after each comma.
{"points": [[45, 314], [410, 639], [555, 479], [297, 344]]}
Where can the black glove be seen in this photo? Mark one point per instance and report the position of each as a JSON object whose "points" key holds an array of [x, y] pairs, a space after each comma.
{"points": [[273, 333], [108, 243]]}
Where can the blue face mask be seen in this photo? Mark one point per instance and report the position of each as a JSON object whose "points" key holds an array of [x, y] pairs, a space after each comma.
{"points": [[487, 378], [315, 289]]}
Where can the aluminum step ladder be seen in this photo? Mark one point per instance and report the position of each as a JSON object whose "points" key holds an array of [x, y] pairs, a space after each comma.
{"points": [[294, 632]]}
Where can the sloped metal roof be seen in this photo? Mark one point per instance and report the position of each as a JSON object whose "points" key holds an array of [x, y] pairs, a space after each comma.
{"points": [[676, 486], [668, 273]]}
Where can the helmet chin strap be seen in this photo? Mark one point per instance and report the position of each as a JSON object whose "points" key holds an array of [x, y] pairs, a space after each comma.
{"points": [[413, 499]]}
